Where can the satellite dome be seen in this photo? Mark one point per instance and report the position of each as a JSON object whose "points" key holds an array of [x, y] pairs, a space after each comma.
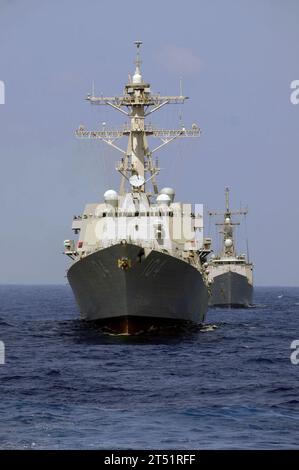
{"points": [[163, 200], [169, 192], [111, 197], [228, 242], [137, 78], [227, 220]]}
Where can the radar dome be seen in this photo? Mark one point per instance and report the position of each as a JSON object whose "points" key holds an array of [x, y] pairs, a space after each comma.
{"points": [[111, 197], [228, 242], [227, 220], [169, 191], [163, 200], [137, 78]]}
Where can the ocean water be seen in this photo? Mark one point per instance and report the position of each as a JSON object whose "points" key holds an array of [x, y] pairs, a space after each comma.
{"points": [[66, 385]]}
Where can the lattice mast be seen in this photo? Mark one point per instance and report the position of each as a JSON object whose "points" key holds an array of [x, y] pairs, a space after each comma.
{"points": [[137, 102], [227, 225]]}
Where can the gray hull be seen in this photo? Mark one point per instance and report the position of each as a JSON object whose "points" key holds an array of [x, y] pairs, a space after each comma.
{"points": [[231, 290], [155, 290]]}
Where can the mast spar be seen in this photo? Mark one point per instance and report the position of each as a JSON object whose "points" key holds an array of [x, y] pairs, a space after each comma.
{"points": [[136, 103]]}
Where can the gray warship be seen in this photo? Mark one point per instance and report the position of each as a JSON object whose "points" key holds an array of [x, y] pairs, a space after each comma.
{"points": [[230, 275], [139, 262]]}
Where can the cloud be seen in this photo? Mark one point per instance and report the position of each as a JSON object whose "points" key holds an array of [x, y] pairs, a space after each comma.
{"points": [[180, 60]]}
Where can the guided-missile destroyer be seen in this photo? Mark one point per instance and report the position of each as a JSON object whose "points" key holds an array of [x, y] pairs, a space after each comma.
{"points": [[140, 258], [230, 275]]}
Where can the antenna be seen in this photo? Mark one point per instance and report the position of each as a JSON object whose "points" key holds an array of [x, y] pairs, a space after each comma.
{"points": [[181, 86], [247, 249], [137, 77], [138, 60], [137, 103], [227, 198], [247, 243], [181, 109]]}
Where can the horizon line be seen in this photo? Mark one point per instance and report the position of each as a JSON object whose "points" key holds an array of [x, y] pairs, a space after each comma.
{"points": [[45, 284]]}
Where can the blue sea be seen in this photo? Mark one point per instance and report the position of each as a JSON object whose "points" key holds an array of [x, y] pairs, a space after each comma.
{"points": [[66, 385]]}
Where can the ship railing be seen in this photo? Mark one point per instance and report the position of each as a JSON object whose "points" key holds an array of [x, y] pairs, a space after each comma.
{"points": [[110, 134], [130, 100]]}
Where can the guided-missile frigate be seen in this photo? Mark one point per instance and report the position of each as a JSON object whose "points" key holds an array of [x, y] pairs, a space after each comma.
{"points": [[140, 258], [230, 275]]}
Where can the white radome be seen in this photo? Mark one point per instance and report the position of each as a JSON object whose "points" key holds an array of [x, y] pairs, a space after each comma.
{"points": [[169, 191], [111, 197], [137, 78], [228, 243], [163, 200]]}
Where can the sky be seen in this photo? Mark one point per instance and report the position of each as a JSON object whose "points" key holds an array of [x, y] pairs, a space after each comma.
{"points": [[236, 59]]}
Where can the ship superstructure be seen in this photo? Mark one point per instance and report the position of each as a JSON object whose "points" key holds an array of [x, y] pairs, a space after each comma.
{"points": [[140, 257], [230, 274]]}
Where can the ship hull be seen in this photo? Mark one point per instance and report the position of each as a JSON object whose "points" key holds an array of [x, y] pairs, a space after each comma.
{"points": [[146, 293], [231, 290]]}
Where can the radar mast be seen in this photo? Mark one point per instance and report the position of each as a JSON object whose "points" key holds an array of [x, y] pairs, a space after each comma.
{"points": [[227, 226], [137, 102]]}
